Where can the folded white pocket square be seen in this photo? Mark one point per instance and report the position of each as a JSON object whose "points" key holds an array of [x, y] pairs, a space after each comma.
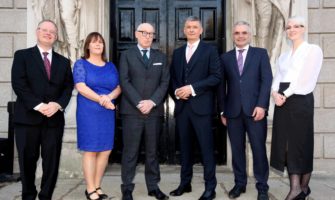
{"points": [[157, 64]]}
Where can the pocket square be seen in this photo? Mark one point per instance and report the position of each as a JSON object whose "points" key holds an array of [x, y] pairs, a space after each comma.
{"points": [[157, 63]]}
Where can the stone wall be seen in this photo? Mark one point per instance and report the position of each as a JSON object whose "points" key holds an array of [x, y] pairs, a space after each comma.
{"points": [[13, 20], [322, 32]]}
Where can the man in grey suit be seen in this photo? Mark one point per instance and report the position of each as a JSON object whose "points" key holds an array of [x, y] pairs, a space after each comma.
{"points": [[144, 78]]}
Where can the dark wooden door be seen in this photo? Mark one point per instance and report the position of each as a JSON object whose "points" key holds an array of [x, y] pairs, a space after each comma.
{"points": [[167, 17]]}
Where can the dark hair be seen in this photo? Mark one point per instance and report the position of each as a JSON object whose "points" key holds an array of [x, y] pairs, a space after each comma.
{"points": [[93, 37]]}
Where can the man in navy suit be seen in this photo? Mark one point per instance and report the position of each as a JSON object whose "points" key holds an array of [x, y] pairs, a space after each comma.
{"points": [[195, 73], [243, 98], [42, 81]]}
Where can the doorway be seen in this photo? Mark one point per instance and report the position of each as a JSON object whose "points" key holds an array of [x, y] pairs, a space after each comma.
{"points": [[167, 17]]}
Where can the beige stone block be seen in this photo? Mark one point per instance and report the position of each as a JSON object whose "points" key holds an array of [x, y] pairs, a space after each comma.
{"points": [[328, 42], [6, 93], [16, 21], [329, 147], [70, 161], [70, 113], [313, 3], [20, 41], [318, 96], [21, 3], [70, 135], [329, 96], [324, 120], [316, 17], [314, 39], [328, 3], [318, 146], [327, 72], [6, 4], [6, 42], [5, 69], [3, 119]]}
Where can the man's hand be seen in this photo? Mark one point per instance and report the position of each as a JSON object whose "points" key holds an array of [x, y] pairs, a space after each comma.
{"points": [[184, 92], [145, 106], [258, 113], [224, 120], [49, 109]]}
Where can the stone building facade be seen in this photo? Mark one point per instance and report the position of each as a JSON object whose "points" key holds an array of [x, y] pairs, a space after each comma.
{"points": [[15, 24]]}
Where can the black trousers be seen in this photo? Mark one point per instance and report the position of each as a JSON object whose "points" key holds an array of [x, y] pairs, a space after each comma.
{"points": [[133, 127], [186, 122], [33, 141]]}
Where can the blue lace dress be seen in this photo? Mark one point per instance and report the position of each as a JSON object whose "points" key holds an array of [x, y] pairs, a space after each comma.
{"points": [[95, 124]]}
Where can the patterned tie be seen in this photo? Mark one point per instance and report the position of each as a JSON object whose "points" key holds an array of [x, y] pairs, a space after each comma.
{"points": [[189, 53], [240, 60], [47, 64], [145, 56]]}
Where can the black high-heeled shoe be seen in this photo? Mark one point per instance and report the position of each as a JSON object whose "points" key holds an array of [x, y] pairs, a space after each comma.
{"points": [[308, 192], [88, 195], [102, 196], [300, 196]]}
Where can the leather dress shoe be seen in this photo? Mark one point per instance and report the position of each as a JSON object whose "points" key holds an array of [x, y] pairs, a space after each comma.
{"points": [[158, 194], [236, 191], [208, 195], [262, 196], [126, 195], [181, 190]]}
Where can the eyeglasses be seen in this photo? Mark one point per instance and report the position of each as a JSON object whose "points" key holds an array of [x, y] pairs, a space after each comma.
{"points": [[241, 33], [145, 34], [47, 31], [294, 26]]}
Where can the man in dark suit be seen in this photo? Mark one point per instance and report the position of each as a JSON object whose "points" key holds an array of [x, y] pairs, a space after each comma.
{"points": [[243, 98], [195, 73], [42, 81], [144, 78]]}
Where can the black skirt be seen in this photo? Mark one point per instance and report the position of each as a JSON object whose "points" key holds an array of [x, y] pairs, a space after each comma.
{"points": [[293, 134]]}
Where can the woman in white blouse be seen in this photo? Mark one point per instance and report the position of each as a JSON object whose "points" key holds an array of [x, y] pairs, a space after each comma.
{"points": [[292, 90]]}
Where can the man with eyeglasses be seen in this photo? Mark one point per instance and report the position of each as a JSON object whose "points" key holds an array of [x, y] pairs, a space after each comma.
{"points": [[144, 79], [42, 81], [243, 98]]}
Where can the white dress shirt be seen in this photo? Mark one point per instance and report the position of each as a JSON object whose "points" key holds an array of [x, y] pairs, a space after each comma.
{"points": [[301, 69], [244, 54], [141, 48]]}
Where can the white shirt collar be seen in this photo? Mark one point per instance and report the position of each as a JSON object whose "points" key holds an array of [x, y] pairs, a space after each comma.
{"points": [[49, 53], [194, 45], [246, 48]]}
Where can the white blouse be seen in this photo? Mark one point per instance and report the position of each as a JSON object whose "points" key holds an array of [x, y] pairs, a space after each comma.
{"points": [[300, 69]]}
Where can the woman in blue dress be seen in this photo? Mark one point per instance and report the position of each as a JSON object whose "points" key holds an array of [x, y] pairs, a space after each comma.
{"points": [[97, 83]]}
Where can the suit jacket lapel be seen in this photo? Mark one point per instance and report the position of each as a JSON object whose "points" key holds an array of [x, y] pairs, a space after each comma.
{"points": [[195, 56], [54, 64], [234, 61], [250, 54], [39, 61]]}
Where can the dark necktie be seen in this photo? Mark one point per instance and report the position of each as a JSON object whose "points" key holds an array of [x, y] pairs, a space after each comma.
{"points": [[145, 56], [47, 64], [240, 60]]}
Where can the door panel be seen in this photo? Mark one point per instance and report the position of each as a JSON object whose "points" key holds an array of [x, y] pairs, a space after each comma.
{"points": [[167, 17]]}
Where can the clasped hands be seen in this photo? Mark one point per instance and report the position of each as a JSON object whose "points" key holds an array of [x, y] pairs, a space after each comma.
{"points": [[183, 92], [278, 98], [106, 102], [145, 106], [49, 109]]}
